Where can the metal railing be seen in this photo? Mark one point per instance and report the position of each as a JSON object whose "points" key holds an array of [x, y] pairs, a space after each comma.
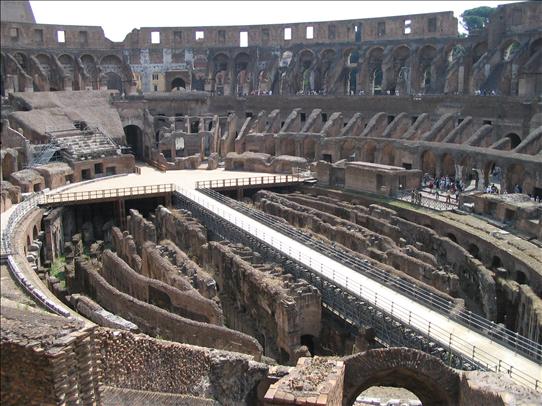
{"points": [[503, 336], [21, 211], [427, 202], [65, 197], [251, 181]]}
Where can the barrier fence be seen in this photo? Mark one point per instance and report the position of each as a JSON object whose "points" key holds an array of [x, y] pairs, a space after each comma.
{"points": [[65, 197], [507, 338], [251, 181]]}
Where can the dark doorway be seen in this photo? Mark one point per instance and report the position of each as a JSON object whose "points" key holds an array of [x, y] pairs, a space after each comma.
{"points": [[178, 84], [134, 138]]}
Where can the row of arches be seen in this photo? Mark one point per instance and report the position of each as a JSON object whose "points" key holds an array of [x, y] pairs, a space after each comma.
{"points": [[49, 72]]}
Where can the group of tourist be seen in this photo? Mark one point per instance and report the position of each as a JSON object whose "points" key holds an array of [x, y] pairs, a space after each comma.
{"points": [[444, 185], [484, 92]]}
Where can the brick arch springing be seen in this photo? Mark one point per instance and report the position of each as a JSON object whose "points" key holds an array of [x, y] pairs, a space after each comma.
{"points": [[427, 377]]}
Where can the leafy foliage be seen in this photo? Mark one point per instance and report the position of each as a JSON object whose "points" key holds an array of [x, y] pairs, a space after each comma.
{"points": [[476, 19]]}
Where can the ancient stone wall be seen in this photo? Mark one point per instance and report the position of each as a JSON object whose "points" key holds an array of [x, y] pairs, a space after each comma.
{"points": [[379, 250], [144, 363], [187, 303], [155, 321], [262, 300], [46, 359]]}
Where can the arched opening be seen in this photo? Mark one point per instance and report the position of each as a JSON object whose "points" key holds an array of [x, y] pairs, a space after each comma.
{"points": [[428, 379], [284, 356], [134, 138], [309, 150], [376, 81], [474, 251], [427, 55], [35, 232], [347, 150], [515, 140], [288, 147], [380, 395], [429, 163], [478, 51], [352, 82], [306, 73], [114, 81], [448, 165], [496, 262], [178, 84], [388, 155], [242, 75], [521, 278], [510, 50], [369, 151], [308, 341], [515, 178], [452, 237], [28, 241]]}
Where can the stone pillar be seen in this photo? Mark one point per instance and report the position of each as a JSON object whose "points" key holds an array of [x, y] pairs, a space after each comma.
{"points": [[461, 80]]}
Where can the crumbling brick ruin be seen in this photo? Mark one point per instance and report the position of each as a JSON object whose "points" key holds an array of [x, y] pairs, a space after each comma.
{"points": [[154, 306]]}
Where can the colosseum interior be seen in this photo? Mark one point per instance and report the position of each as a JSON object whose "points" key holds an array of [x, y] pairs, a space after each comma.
{"points": [[329, 213]]}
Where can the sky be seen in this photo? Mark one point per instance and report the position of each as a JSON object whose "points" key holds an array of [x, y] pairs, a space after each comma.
{"points": [[118, 18]]}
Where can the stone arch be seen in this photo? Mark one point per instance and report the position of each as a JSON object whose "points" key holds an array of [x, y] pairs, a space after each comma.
{"points": [[400, 78], [515, 140], [22, 60], [327, 59], [478, 51], [178, 84], [515, 175], [89, 65], [388, 155], [375, 56], [45, 63], [422, 374], [305, 72], [492, 173], [347, 149], [309, 148], [474, 250], [448, 165], [376, 80], [110, 60], [429, 163], [509, 49], [496, 262], [288, 147], [427, 55], [368, 152], [221, 62], [114, 81], [242, 73], [134, 138]]}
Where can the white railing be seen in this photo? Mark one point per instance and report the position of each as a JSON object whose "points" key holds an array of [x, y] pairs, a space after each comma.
{"points": [[65, 197]]}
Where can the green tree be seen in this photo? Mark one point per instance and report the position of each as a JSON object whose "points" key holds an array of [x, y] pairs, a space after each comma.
{"points": [[476, 19]]}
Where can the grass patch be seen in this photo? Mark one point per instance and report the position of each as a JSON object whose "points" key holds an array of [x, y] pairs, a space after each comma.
{"points": [[57, 270]]}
